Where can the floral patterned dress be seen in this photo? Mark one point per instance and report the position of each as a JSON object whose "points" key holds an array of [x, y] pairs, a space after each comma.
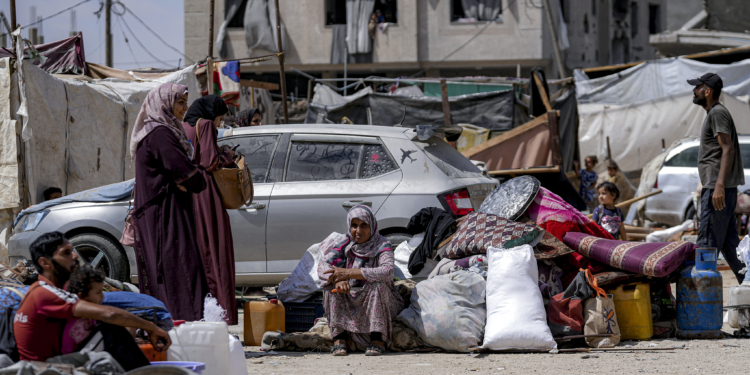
{"points": [[371, 309]]}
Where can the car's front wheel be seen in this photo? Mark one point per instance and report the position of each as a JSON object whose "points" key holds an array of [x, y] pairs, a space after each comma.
{"points": [[102, 253]]}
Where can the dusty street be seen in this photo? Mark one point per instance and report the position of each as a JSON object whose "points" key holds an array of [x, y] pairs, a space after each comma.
{"points": [[728, 356]]}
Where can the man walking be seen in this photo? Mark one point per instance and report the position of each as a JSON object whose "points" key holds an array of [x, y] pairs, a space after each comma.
{"points": [[720, 169]]}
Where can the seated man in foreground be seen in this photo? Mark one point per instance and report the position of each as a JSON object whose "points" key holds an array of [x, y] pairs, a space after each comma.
{"points": [[43, 313]]}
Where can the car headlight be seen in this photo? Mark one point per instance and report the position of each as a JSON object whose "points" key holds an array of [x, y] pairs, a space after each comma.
{"points": [[32, 220]]}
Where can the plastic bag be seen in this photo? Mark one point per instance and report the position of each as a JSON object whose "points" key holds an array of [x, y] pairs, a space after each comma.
{"points": [[743, 253], [448, 311], [515, 310], [304, 280], [666, 234]]}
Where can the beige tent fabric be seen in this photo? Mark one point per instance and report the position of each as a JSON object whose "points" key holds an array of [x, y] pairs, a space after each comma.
{"points": [[530, 148], [102, 71]]}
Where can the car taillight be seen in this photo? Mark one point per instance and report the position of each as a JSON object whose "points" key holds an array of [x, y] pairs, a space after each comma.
{"points": [[459, 202], [656, 183]]}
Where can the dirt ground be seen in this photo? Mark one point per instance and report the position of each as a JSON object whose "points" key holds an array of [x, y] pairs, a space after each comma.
{"points": [[727, 356]]}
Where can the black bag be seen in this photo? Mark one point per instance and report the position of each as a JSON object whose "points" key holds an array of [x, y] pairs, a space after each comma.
{"points": [[7, 339]]}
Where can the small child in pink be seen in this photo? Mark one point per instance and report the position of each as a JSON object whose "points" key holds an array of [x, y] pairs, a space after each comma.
{"points": [[88, 283]]}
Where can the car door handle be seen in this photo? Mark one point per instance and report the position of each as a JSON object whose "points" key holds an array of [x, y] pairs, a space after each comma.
{"points": [[350, 204], [254, 206]]}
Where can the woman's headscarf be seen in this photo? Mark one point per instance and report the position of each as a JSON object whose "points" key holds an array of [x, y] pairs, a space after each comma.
{"points": [[208, 107], [348, 253], [157, 111], [245, 117]]}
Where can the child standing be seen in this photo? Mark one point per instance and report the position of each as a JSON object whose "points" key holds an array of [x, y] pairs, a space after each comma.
{"points": [[588, 178], [606, 214], [88, 283], [612, 170]]}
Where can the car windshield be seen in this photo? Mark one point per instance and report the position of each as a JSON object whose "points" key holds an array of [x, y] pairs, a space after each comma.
{"points": [[448, 159]]}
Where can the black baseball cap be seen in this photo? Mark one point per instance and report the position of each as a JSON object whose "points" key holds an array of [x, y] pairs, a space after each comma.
{"points": [[711, 80]]}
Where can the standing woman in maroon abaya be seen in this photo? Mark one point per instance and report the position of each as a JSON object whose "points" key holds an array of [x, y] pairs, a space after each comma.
{"points": [[211, 220], [169, 264]]}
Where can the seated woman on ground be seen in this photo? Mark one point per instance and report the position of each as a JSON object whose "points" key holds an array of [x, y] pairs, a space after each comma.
{"points": [[361, 318]]}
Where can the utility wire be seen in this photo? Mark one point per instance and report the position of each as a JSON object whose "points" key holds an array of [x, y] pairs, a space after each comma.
{"points": [[141, 44], [56, 14], [153, 32], [127, 42], [465, 43]]}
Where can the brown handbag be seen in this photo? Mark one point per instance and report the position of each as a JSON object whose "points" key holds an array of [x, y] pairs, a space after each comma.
{"points": [[234, 183]]}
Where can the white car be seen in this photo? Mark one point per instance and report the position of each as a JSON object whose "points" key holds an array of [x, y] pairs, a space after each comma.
{"points": [[678, 179]]}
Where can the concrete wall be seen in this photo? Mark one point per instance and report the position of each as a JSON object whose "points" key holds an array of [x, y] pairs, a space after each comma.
{"points": [[423, 35], [681, 11]]}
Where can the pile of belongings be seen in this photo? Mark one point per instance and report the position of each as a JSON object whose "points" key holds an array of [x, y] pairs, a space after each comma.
{"points": [[525, 272]]}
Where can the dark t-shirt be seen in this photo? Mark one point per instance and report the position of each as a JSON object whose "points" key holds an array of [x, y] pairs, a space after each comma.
{"points": [[718, 120], [40, 320]]}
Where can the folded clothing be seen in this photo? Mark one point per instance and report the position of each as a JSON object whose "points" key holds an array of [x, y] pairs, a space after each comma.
{"points": [[448, 265], [657, 259], [437, 225], [558, 217], [480, 231], [549, 246]]}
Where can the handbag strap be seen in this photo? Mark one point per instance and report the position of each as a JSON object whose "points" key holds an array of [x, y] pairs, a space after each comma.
{"points": [[594, 284]]}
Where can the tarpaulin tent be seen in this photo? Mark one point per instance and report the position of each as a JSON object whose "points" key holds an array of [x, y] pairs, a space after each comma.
{"points": [[638, 107], [64, 56], [74, 135], [493, 110]]}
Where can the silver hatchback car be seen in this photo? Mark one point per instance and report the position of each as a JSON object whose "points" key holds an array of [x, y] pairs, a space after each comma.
{"points": [[306, 177]]}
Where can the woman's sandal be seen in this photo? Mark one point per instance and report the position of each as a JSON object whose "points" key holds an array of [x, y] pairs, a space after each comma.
{"points": [[339, 350], [374, 350]]}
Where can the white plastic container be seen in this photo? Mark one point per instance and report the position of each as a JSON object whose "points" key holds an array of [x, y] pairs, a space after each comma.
{"points": [[738, 295], [237, 364], [205, 342]]}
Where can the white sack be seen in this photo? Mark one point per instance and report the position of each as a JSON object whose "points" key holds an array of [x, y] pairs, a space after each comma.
{"points": [[327, 96], [448, 311], [402, 253], [304, 280], [516, 318], [666, 234]]}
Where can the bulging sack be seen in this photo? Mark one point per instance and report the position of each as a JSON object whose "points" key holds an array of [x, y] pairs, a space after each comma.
{"points": [[599, 314], [448, 311], [515, 310]]}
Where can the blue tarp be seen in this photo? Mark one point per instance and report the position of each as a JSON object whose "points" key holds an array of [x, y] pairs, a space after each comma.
{"points": [[129, 300], [108, 193]]}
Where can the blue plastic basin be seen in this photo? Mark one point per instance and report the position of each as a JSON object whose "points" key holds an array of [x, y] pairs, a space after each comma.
{"points": [[198, 367]]}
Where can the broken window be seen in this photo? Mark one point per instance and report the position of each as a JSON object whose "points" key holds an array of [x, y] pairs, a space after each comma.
{"points": [[238, 20], [593, 7], [586, 23], [565, 9], [386, 10], [469, 11], [633, 19], [654, 19], [619, 9]]}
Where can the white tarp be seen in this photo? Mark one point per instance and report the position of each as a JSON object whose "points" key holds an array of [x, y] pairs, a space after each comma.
{"points": [[640, 106], [327, 96], [79, 132]]}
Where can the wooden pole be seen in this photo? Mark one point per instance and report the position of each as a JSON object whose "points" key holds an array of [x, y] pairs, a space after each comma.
{"points": [[211, 32], [210, 75], [542, 93], [609, 150], [109, 53], [554, 133], [446, 104], [252, 97], [309, 90], [636, 199], [282, 73], [13, 23]]}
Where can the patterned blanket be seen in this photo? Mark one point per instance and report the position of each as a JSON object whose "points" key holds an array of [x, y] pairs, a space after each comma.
{"points": [[558, 217], [656, 259]]}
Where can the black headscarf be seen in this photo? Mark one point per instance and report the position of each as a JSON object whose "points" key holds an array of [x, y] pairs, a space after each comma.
{"points": [[208, 107], [245, 117]]}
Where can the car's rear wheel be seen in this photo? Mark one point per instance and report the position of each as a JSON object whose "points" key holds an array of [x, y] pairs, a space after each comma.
{"points": [[102, 253], [397, 238]]}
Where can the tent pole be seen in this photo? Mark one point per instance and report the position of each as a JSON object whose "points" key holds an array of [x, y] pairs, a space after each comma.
{"points": [[282, 73], [211, 31], [609, 150], [13, 23]]}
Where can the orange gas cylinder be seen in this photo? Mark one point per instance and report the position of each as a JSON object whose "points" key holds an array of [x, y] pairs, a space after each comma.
{"points": [[261, 317], [151, 353]]}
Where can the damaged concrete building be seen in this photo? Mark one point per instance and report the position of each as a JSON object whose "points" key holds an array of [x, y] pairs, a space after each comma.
{"points": [[433, 37]]}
